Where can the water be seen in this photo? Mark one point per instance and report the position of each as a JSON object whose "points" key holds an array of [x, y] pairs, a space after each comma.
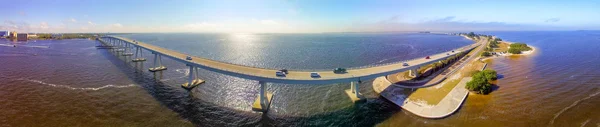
{"points": [[71, 83]]}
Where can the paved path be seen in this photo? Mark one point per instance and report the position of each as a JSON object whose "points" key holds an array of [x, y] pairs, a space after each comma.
{"points": [[448, 105], [294, 77]]}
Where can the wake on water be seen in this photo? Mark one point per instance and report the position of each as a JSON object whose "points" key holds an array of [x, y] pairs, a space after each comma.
{"points": [[572, 105], [84, 88], [185, 73]]}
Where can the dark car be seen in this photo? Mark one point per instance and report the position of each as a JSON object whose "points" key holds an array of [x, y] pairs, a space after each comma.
{"points": [[427, 57], [339, 70], [285, 71], [188, 58]]}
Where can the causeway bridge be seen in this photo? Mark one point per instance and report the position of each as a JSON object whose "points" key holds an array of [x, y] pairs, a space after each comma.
{"points": [[262, 75]]}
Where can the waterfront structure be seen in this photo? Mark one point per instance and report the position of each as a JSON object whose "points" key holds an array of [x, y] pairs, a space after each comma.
{"points": [[264, 76], [4, 33], [12, 34], [22, 36]]}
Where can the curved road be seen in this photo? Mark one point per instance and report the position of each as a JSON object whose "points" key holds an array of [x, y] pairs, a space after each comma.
{"points": [[294, 77]]}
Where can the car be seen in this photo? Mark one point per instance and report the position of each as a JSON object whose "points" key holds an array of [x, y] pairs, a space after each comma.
{"points": [[285, 71], [280, 74], [427, 57], [447, 53], [188, 58], [339, 70], [314, 75], [452, 51], [404, 64]]}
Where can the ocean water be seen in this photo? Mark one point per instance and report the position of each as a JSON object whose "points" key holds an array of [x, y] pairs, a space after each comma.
{"points": [[71, 83]]}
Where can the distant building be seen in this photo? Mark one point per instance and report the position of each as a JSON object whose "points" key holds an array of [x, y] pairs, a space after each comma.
{"points": [[12, 34], [22, 37], [4, 33], [32, 36]]}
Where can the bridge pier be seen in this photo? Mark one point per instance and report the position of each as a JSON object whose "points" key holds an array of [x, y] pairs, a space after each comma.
{"points": [[119, 46], [127, 50], [354, 91], [413, 73], [138, 55], [263, 99], [157, 63], [193, 79]]}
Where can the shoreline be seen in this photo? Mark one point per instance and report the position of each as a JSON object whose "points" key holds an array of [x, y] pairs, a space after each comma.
{"points": [[524, 53], [449, 103]]}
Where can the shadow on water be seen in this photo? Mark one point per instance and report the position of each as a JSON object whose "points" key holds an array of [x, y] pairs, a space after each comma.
{"points": [[367, 112], [500, 76]]}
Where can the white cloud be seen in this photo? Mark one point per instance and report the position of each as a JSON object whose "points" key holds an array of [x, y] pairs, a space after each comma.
{"points": [[269, 22], [116, 25], [91, 23], [72, 20], [199, 25], [44, 25]]}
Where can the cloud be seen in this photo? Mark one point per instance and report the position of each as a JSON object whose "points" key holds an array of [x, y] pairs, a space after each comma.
{"points": [[552, 20], [449, 23], [200, 25], [22, 13], [269, 22], [72, 20], [91, 23], [445, 19], [116, 25], [44, 25]]}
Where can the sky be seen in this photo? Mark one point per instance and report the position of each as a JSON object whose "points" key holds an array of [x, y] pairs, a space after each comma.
{"points": [[297, 16]]}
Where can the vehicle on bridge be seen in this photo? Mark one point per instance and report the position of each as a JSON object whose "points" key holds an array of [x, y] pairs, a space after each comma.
{"points": [[280, 74], [315, 75], [285, 71], [188, 58], [339, 70], [427, 57], [404, 64]]}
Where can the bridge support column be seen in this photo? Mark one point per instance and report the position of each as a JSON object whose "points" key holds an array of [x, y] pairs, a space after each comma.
{"points": [[354, 91], [119, 46], [138, 55], [127, 50], [263, 99], [157, 63], [193, 79], [414, 73]]}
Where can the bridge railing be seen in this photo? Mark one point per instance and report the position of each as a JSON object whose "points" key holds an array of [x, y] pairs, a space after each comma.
{"points": [[461, 49]]}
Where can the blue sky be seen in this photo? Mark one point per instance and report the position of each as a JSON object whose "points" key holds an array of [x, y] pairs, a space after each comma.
{"points": [[297, 16]]}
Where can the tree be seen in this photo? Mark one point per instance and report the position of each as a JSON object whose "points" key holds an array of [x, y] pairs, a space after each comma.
{"points": [[485, 54], [514, 51], [480, 82], [490, 75]]}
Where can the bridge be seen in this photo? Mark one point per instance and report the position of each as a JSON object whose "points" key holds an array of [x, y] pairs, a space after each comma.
{"points": [[263, 75]]}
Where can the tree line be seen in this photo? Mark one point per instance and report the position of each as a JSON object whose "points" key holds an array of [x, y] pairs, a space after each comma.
{"points": [[517, 48]]}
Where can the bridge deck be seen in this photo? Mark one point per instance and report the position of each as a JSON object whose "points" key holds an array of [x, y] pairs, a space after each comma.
{"points": [[295, 77]]}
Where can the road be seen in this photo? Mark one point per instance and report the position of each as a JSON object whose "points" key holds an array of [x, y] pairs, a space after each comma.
{"points": [[294, 77]]}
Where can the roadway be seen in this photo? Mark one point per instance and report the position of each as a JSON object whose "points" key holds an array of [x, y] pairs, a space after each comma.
{"points": [[295, 77]]}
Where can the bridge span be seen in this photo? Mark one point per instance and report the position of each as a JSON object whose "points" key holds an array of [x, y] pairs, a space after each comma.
{"points": [[263, 75]]}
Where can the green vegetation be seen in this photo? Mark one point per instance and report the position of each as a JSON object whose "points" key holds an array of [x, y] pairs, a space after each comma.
{"points": [[517, 48], [486, 54], [44, 36], [481, 81]]}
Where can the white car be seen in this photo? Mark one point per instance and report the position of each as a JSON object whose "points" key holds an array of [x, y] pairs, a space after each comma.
{"points": [[280, 74], [314, 75]]}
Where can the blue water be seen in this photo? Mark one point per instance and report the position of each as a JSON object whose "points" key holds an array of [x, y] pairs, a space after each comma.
{"points": [[306, 51]]}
